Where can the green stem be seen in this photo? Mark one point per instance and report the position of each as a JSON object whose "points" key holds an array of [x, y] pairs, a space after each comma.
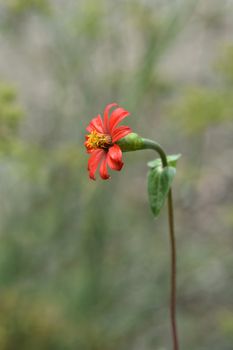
{"points": [[173, 271], [148, 144], [133, 142]]}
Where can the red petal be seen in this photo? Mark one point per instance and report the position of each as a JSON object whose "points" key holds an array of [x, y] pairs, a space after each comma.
{"points": [[94, 161], [114, 158], [120, 132], [106, 111], [96, 124], [113, 165], [115, 153], [116, 117], [103, 168]]}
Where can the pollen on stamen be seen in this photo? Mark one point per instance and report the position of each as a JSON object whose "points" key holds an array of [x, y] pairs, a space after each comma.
{"points": [[96, 140]]}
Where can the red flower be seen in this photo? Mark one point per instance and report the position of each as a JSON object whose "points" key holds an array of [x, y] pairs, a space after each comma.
{"points": [[101, 142]]}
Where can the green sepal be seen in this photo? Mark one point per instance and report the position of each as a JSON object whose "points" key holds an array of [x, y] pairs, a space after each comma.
{"points": [[171, 160], [159, 183], [131, 142]]}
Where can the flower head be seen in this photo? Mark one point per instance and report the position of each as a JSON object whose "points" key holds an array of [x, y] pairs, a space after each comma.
{"points": [[101, 141]]}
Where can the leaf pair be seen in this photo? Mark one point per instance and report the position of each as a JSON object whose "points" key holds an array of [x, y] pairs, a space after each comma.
{"points": [[159, 182]]}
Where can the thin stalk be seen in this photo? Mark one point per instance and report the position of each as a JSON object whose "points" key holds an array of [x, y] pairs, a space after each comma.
{"points": [[155, 146], [173, 271], [149, 144]]}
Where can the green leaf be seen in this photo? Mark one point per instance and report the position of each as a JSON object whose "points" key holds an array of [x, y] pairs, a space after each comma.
{"points": [[159, 183], [172, 160]]}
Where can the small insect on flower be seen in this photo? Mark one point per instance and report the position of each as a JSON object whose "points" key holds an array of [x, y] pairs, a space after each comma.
{"points": [[101, 141]]}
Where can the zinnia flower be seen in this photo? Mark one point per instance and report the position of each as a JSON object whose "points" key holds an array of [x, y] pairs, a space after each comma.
{"points": [[101, 141]]}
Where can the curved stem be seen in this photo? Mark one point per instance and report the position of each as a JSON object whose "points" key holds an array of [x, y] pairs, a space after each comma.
{"points": [[153, 145], [149, 144]]}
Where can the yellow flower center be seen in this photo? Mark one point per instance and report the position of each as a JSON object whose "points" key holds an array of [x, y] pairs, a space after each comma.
{"points": [[96, 140]]}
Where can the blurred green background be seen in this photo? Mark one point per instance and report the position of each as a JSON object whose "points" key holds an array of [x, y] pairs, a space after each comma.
{"points": [[83, 265]]}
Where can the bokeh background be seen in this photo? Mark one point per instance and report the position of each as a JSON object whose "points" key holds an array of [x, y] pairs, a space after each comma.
{"points": [[84, 265]]}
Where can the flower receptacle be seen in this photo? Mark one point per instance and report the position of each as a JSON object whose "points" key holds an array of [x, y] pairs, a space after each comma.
{"points": [[131, 142]]}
